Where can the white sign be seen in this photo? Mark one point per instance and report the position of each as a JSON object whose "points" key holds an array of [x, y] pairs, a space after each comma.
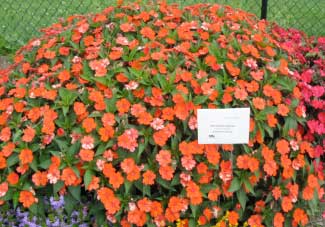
{"points": [[223, 126]]}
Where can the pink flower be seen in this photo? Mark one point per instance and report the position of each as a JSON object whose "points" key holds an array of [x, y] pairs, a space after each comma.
{"points": [[164, 158], [122, 41], [307, 75], [251, 63], [157, 124], [188, 162], [53, 176], [137, 109], [100, 164], [318, 91], [3, 188], [132, 85], [185, 178], [192, 123], [87, 142]]}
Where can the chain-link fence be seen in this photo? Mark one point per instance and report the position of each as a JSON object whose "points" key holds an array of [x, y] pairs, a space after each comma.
{"points": [[21, 19]]}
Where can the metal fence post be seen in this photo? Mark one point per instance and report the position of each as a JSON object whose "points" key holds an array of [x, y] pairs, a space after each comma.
{"points": [[264, 9]]}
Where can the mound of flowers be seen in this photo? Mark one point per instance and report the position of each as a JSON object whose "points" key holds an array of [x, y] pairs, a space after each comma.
{"points": [[103, 109]]}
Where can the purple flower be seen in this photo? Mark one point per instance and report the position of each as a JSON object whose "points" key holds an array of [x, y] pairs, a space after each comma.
{"points": [[57, 204]]}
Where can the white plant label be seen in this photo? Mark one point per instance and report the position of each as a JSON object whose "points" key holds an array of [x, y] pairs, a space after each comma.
{"points": [[223, 126]]}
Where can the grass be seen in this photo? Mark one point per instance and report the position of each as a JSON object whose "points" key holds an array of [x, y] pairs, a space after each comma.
{"points": [[21, 20]]}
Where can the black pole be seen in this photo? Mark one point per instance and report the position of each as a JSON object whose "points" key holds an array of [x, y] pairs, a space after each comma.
{"points": [[264, 9]]}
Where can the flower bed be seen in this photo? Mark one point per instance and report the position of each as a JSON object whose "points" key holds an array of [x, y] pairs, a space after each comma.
{"points": [[103, 109]]}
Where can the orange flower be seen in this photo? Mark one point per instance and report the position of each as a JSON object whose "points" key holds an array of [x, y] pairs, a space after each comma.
{"points": [[270, 167], [29, 134], [108, 119], [148, 177], [86, 155], [166, 172], [240, 94], [27, 198], [137, 217], [255, 220], [116, 54], [147, 32], [89, 124], [308, 193], [26, 156], [94, 183], [193, 193], [233, 217], [3, 162], [79, 108], [109, 170], [40, 178], [312, 181], [145, 118], [13, 178], [116, 180], [233, 70], [272, 121], [69, 176], [5, 134], [160, 137], [300, 217], [242, 161], [286, 204], [144, 204], [278, 220], [156, 209], [259, 103], [282, 147], [134, 174], [214, 194], [283, 110], [107, 197], [212, 154], [106, 133], [276, 192], [123, 105], [64, 76]]}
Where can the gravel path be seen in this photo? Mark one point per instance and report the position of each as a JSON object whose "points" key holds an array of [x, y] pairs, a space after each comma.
{"points": [[3, 62]]}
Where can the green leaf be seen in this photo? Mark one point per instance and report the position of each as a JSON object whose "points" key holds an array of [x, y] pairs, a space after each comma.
{"points": [[235, 185], [290, 123], [87, 73], [15, 198], [73, 149], [33, 165], [12, 160], [69, 203], [200, 99], [57, 186], [194, 210], [192, 223], [249, 186], [87, 177], [127, 185], [67, 96], [165, 184], [63, 144], [242, 198], [146, 190], [75, 192], [45, 161]]}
